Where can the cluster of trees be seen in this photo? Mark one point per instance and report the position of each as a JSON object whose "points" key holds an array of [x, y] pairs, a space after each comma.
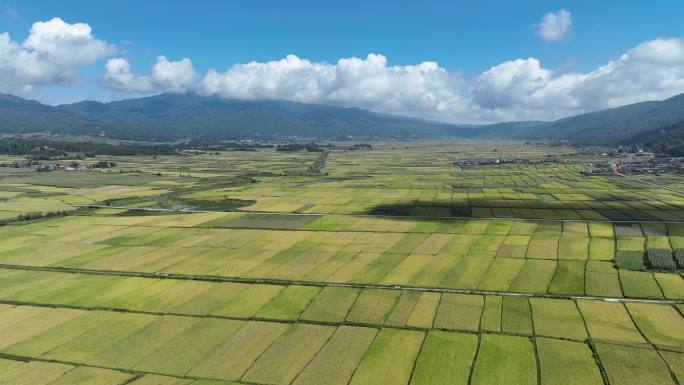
{"points": [[308, 147], [34, 216], [361, 147], [231, 145], [48, 149], [668, 140], [104, 164]]}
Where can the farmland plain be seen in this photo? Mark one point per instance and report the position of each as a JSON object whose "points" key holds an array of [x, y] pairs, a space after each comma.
{"points": [[392, 266]]}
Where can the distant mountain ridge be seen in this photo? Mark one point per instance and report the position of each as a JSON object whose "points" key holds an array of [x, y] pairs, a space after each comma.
{"points": [[179, 116], [176, 116], [615, 124]]}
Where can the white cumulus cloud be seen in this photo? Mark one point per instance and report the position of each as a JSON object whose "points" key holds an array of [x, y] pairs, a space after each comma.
{"points": [[51, 54], [55, 51], [554, 26], [520, 89], [652, 70], [425, 89], [166, 76], [502, 85]]}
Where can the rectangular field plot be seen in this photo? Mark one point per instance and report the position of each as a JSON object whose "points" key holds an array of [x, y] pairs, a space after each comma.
{"points": [[445, 358], [633, 366], [609, 322], [233, 356], [337, 360], [390, 358], [516, 315], [661, 324], [289, 354], [557, 318], [459, 312], [373, 306], [504, 360], [602, 280], [332, 305], [423, 313], [639, 284], [43, 373], [568, 363], [534, 277], [189, 348]]}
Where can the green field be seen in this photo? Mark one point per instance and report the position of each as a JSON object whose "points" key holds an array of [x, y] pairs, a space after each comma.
{"points": [[391, 267]]}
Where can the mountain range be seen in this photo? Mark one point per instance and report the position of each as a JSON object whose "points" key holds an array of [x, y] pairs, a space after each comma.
{"points": [[181, 116]]}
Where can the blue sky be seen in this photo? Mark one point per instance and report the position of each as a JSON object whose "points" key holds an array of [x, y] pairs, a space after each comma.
{"points": [[465, 38]]}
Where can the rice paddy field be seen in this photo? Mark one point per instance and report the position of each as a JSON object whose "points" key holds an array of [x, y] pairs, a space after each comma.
{"points": [[392, 266]]}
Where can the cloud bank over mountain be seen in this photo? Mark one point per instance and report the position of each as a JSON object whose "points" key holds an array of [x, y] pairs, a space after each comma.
{"points": [[56, 52]]}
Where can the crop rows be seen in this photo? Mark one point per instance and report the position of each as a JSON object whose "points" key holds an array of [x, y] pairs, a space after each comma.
{"points": [[407, 309], [300, 353], [630, 259], [536, 286], [679, 256], [661, 259]]}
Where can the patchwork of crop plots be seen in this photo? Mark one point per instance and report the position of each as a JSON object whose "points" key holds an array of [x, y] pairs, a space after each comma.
{"points": [[449, 276]]}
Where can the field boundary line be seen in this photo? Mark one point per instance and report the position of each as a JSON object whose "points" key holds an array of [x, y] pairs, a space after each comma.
{"points": [[14, 357], [680, 192], [422, 217], [652, 344], [282, 282], [378, 327]]}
